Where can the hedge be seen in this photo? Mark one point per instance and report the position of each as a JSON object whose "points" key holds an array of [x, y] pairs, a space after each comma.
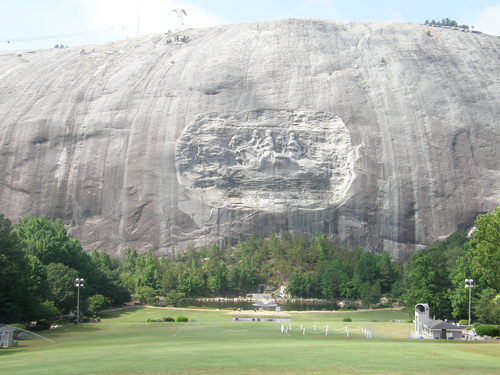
{"points": [[487, 330]]}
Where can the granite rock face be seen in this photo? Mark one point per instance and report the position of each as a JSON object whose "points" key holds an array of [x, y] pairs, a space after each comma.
{"points": [[376, 134]]}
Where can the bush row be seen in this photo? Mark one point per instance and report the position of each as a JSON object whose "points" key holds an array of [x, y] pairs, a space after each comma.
{"points": [[487, 330], [168, 319]]}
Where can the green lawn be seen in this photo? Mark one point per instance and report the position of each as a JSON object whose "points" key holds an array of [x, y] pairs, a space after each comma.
{"points": [[211, 343]]}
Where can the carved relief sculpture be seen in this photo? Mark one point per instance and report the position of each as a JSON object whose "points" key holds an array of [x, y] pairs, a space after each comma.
{"points": [[236, 165]]}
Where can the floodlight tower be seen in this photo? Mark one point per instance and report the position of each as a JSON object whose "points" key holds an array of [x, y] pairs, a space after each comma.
{"points": [[469, 284], [79, 284], [180, 17]]}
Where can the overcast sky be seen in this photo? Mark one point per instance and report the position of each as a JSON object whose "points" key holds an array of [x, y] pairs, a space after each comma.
{"points": [[27, 24]]}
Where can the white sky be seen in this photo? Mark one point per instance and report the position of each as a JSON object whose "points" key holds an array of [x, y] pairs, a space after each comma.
{"points": [[42, 24]]}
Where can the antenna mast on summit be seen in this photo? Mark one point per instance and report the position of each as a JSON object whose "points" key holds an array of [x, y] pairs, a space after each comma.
{"points": [[180, 16]]}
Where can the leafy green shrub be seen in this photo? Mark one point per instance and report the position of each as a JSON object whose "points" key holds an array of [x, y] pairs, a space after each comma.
{"points": [[347, 319], [168, 319], [181, 319], [46, 310], [153, 320], [463, 322], [173, 297], [487, 330], [96, 303], [146, 295]]}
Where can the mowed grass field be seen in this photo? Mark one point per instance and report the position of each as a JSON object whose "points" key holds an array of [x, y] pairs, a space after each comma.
{"points": [[211, 343]]}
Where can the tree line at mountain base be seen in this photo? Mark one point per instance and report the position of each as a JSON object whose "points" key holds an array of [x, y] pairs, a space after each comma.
{"points": [[39, 263]]}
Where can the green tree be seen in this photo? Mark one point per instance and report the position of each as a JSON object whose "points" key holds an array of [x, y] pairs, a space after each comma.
{"points": [[46, 311], [370, 293], [386, 272], [244, 276], [216, 276], [96, 303], [190, 283], [487, 307], [144, 269], [458, 295], [485, 250], [105, 278], [331, 275], [366, 269], [45, 239], [169, 275], [61, 283], [348, 289], [16, 295], [145, 294], [302, 285], [423, 285]]}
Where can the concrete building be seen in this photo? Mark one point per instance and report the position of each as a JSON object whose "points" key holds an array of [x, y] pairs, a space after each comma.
{"points": [[427, 328]]}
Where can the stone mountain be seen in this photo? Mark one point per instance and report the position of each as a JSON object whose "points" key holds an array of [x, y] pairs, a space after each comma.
{"points": [[380, 134]]}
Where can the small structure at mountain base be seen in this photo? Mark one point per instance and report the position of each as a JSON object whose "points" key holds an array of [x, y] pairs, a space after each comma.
{"points": [[264, 302], [427, 328], [6, 337]]}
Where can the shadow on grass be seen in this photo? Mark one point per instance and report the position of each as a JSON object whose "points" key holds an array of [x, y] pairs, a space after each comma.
{"points": [[119, 311], [7, 351]]}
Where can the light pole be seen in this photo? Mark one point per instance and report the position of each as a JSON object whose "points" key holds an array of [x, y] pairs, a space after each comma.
{"points": [[469, 284], [79, 284]]}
